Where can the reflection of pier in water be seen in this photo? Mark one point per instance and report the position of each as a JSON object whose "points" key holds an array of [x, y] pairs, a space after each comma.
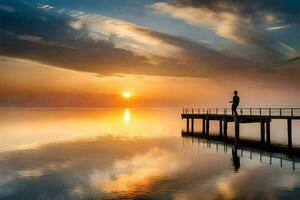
{"points": [[281, 160], [263, 116]]}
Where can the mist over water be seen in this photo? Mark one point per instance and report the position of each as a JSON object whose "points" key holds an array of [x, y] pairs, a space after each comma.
{"points": [[132, 154]]}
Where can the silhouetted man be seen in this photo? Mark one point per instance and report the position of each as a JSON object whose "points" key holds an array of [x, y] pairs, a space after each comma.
{"points": [[235, 103]]}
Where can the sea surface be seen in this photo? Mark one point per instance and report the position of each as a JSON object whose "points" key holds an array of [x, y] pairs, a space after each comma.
{"points": [[134, 154]]}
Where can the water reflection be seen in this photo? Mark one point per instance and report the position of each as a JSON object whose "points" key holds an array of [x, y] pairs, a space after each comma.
{"points": [[36, 127], [127, 115], [140, 168], [146, 160], [235, 159]]}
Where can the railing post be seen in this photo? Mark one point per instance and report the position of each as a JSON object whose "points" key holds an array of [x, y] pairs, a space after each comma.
{"points": [[250, 111], [217, 110], [280, 111], [260, 111], [269, 111], [292, 112]]}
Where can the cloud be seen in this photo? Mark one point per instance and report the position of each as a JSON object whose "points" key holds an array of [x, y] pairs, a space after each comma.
{"points": [[105, 45], [244, 22], [123, 34], [277, 27]]}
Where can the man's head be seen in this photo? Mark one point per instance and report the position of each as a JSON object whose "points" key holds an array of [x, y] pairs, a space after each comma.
{"points": [[235, 92]]}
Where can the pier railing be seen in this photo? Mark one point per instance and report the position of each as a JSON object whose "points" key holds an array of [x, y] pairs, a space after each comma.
{"points": [[245, 111]]}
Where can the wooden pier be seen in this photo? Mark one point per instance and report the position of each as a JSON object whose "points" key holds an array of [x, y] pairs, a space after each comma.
{"points": [[263, 116]]}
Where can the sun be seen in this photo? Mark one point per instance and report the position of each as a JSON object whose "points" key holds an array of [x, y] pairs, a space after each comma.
{"points": [[126, 95]]}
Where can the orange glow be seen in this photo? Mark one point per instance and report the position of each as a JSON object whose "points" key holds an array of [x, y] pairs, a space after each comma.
{"points": [[126, 95]]}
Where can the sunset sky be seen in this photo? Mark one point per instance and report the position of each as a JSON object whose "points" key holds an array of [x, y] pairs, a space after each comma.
{"points": [[176, 53]]}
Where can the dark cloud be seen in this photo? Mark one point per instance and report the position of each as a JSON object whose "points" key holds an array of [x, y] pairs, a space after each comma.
{"points": [[252, 18], [287, 8], [38, 35], [46, 36]]}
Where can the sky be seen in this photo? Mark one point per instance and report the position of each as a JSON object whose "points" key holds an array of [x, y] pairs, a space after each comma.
{"points": [[176, 53]]}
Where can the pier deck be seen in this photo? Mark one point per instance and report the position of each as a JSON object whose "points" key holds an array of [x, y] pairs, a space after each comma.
{"points": [[263, 116]]}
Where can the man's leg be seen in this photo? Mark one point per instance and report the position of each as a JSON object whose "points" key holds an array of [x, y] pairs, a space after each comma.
{"points": [[235, 111]]}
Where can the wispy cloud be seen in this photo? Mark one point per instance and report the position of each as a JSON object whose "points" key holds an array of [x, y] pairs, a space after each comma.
{"points": [[277, 27], [123, 34]]}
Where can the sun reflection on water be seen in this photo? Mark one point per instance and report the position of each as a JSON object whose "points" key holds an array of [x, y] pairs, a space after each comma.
{"points": [[127, 115]]}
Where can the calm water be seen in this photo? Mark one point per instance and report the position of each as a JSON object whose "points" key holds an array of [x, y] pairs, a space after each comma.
{"points": [[131, 154]]}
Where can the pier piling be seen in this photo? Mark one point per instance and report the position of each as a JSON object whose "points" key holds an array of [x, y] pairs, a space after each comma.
{"points": [[203, 126], [268, 132], [220, 128], [262, 132], [192, 125], [207, 126], [237, 130], [289, 126], [225, 128]]}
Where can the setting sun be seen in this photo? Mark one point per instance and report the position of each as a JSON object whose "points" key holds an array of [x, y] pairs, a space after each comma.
{"points": [[126, 95]]}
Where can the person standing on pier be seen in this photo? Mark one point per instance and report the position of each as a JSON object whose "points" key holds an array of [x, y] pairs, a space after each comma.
{"points": [[235, 103]]}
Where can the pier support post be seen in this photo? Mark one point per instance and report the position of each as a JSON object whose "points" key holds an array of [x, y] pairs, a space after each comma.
{"points": [[225, 129], [237, 130], [187, 125], [192, 125], [290, 144], [207, 127], [221, 127], [203, 126], [262, 131], [268, 132]]}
